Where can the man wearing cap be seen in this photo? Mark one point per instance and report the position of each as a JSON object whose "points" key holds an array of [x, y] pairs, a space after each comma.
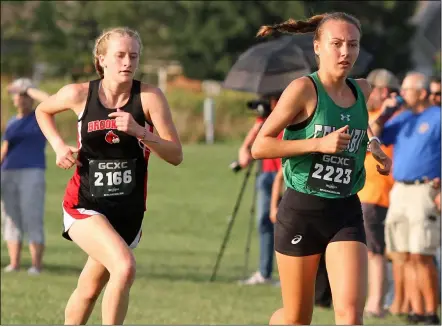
{"points": [[22, 158], [413, 220], [374, 197]]}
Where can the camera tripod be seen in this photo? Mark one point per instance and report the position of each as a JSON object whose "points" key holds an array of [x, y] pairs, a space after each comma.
{"points": [[232, 220]]}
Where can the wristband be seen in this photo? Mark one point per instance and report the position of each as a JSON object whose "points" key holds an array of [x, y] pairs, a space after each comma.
{"points": [[140, 139], [374, 138], [143, 137]]}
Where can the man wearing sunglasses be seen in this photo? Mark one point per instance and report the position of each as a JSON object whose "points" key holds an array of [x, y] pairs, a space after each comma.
{"points": [[435, 91]]}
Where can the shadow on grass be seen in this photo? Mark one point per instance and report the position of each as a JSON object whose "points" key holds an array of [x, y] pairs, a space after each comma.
{"points": [[230, 275], [63, 269], [227, 273]]}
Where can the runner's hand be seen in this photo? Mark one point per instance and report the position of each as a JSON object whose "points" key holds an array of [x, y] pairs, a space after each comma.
{"points": [[273, 212], [126, 123], [65, 156], [244, 157], [381, 157], [335, 142]]}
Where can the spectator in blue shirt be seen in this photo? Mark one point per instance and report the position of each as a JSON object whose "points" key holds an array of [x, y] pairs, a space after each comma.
{"points": [[22, 158], [435, 96], [412, 230]]}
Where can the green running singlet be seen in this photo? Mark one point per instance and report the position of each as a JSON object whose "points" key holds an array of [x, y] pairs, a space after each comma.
{"points": [[330, 175]]}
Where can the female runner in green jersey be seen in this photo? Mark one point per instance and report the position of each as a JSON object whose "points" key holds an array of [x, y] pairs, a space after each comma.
{"points": [[326, 135]]}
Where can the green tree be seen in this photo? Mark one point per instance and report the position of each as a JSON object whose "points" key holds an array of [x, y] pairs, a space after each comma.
{"points": [[205, 36], [149, 18], [16, 37], [82, 22], [79, 28], [208, 36]]}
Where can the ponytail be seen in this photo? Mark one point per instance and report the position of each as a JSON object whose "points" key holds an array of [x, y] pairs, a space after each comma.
{"points": [[313, 24], [292, 26]]}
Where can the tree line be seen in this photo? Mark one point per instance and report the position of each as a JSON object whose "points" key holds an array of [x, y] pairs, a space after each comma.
{"points": [[206, 37]]}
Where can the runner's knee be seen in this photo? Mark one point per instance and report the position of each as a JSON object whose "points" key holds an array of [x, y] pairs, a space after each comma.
{"points": [[348, 314], [292, 319], [90, 289], [124, 269], [399, 258]]}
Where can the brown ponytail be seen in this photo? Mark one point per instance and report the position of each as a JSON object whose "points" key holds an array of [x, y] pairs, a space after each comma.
{"points": [[313, 24], [292, 26]]}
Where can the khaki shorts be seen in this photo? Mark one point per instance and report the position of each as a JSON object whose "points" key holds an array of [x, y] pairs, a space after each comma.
{"points": [[413, 222]]}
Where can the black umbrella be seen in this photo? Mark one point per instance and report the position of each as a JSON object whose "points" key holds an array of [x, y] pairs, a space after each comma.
{"points": [[267, 67], [305, 42]]}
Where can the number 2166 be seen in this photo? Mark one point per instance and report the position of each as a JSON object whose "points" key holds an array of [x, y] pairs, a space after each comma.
{"points": [[113, 178]]}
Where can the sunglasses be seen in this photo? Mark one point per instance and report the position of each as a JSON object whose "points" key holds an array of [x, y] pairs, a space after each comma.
{"points": [[435, 93]]}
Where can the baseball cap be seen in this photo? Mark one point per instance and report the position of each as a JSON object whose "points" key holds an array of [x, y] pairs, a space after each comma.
{"points": [[383, 78], [20, 85]]}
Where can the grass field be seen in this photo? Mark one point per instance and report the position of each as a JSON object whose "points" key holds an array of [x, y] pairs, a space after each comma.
{"points": [[187, 217]]}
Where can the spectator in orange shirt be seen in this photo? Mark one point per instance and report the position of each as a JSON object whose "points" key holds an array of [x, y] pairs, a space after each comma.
{"points": [[375, 197]]}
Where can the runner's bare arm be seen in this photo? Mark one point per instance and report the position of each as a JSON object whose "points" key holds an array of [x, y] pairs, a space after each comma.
{"points": [[37, 95], [366, 89], [72, 96], [291, 103], [166, 144]]}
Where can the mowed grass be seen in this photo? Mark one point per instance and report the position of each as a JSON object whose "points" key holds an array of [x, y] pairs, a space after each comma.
{"points": [[188, 211]]}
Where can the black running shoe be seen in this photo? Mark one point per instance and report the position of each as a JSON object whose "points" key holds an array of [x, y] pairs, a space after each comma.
{"points": [[432, 320], [416, 319]]}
